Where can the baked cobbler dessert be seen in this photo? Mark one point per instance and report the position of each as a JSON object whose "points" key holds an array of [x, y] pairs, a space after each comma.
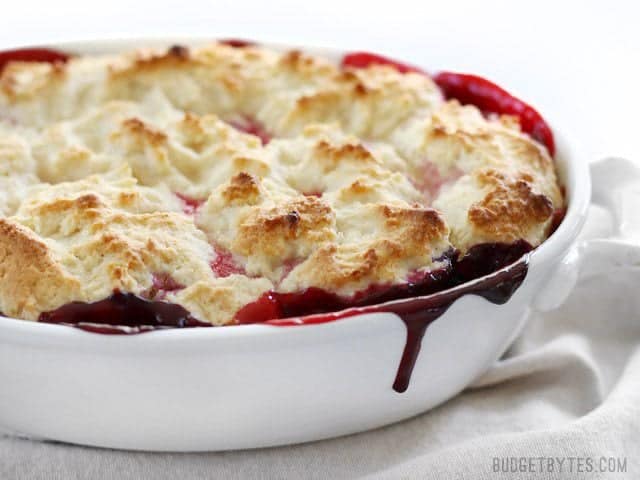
{"points": [[232, 183]]}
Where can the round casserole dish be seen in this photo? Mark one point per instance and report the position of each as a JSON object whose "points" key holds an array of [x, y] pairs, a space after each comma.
{"points": [[260, 385]]}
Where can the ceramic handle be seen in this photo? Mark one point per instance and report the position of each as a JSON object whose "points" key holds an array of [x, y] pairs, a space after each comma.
{"points": [[615, 184]]}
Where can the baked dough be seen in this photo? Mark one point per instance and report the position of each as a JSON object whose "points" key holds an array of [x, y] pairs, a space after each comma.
{"points": [[135, 172]]}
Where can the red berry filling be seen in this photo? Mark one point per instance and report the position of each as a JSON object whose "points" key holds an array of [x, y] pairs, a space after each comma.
{"points": [[236, 42], [366, 59], [32, 55], [122, 313], [224, 264], [267, 307], [164, 281], [191, 205], [161, 283], [273, 305], [432, 180], [252, 127], [490, 98]]}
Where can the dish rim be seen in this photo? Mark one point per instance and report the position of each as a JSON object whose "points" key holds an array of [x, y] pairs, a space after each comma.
{"points": [[573, 171]]}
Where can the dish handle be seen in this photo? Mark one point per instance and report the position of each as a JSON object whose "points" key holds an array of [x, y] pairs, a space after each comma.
{"points": [[615, 184]]}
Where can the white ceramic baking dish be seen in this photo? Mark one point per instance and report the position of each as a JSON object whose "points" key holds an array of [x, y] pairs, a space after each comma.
{"points": [[260, 385]]}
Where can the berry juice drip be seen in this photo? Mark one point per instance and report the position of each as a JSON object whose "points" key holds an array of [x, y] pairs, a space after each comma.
{"points": [[418, 313], [418, 303]]}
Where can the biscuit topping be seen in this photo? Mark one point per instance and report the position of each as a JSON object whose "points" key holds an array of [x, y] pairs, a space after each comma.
{"points": [[214, 177]]}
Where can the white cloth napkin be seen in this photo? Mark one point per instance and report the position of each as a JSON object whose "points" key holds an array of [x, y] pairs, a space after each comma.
{"points": [[563, 403]]}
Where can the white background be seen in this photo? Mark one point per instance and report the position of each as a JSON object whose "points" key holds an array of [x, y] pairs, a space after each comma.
{"points": [[577, 62]]}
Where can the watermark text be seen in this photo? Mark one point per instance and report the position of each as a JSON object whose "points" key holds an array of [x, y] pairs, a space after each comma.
{"points": [[559, 464]]}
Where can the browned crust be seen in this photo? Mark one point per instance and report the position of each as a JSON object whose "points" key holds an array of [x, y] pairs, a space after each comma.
{"points": [[326, 101], [305, 65], [406, 233], [196, 131], [144, 133], [242, 189], [335, 154], [59, 205], [484, 137], [85, 208], [511, 208], [31, 281], [176, 56], [340, 267], [415, 228], [270, 231], [244, 164]]}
